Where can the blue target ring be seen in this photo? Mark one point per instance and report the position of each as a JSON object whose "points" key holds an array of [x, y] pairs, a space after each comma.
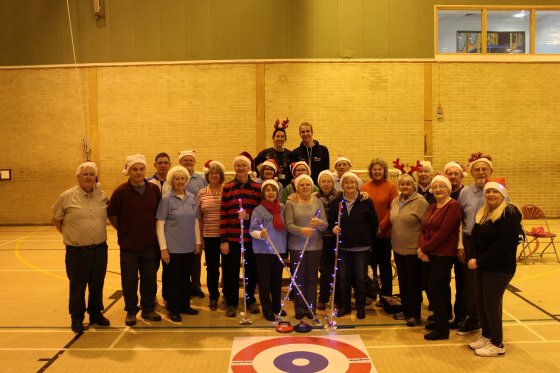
{"points": [[316, 362]]}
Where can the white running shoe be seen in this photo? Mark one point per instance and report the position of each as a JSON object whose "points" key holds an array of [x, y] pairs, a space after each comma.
{"points": [[479, 343], [490, 350]]}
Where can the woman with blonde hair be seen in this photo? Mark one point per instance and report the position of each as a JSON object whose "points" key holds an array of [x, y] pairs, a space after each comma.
{"points": [[178, 234], [495, 238], [305, 222], [407, 212], [438, 248]]}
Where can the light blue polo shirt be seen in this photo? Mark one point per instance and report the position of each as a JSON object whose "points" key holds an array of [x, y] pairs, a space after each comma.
{"points": [[196, 182], [179, 216]]}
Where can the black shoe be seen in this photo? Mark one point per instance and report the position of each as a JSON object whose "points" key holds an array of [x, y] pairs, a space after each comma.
{"points": [[470, 326], [361, 314], [269, 316], [197, 293], [309, 315], [342, 312], [130, 319], [151, 316], [399, 316], [283, 313], [231, 311], [412, 321], [300, 316], [99, 319], [77, 326], [456, 324], [189, 311], [430, 326], [175, 317], [253, 308], [434, 336], [213, 305], [432, 318]]}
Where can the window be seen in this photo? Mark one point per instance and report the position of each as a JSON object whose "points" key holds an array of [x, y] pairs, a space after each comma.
{"points": [[459, 31], [497, 30], [547, 32]]}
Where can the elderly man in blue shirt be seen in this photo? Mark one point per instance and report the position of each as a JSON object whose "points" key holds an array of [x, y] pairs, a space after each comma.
{"points": [[471, 199]]}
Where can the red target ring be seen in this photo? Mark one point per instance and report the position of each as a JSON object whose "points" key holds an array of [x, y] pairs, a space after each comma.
{"points": [[358, 361]]}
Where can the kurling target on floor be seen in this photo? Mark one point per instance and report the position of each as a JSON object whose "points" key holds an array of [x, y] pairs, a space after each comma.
{"points": [[300, 354]]}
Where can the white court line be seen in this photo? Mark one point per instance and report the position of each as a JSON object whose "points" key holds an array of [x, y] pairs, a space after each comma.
{"points": [[117, 349], [525, 326], [212, 329], [423, 345], [119, 337], [31, 270]]}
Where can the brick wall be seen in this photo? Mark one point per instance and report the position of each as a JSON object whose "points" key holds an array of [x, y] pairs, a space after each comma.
{"points": [[360, 110], [509, 111]]}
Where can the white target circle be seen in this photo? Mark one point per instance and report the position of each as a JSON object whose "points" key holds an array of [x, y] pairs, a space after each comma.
{"points": [[308, 357]]}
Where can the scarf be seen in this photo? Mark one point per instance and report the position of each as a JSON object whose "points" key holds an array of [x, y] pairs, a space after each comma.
{"points": [[276, 211]]}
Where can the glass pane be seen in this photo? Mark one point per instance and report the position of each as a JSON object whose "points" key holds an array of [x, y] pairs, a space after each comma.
{"points": [[508, 31], [547, 38], [459, 31]]}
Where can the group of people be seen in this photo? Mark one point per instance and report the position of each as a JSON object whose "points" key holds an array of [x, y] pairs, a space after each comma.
{"points": [[327, 223]]}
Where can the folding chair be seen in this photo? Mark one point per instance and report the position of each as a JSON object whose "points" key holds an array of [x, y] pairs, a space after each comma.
{"points": [[536, 235]]}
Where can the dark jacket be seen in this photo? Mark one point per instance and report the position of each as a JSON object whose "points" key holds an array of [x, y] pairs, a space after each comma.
{"points": [[317, 157], [359, 229], [495, 243], [283, 159]]}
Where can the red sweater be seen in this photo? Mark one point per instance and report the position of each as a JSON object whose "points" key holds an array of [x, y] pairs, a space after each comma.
{"points": [[440, 229], [250, 195], [382, 193]]}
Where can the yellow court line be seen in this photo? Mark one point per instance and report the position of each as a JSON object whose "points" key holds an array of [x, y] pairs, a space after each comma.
{"points": [[38, 269], [32, 266]]}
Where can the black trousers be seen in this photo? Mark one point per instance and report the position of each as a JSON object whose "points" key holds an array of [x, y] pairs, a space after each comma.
{"points": [[326, 269], [306, 278], [178, 282], [381, 256], [460, 304], [212, 257], [157, 262], [269, 270], [439, 276], [353, 271], [195, 271], [86, 267], [231, 265], [470, 283], [490, 288], [134, 264], [409, 270]]}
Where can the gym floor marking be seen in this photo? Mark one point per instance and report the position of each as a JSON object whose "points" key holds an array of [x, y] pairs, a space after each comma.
{"points": [[305, 354]]}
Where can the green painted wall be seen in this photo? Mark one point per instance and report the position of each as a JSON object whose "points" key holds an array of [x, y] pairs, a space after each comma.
{"points": [[35, 32]]}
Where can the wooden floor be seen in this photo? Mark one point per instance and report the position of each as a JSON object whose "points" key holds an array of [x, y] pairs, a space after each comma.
{"points": [[35, 333]]}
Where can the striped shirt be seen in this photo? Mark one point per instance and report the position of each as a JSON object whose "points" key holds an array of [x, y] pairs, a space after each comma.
{"points": [[209, 207], [250, 195]]}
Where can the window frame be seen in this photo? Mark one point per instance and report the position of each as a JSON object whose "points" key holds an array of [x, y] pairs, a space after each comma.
{"points": [[484, 55]]}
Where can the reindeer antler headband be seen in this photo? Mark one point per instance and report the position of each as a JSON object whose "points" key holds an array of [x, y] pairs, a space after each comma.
{"points": [[401, 167], [281, 125]]}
